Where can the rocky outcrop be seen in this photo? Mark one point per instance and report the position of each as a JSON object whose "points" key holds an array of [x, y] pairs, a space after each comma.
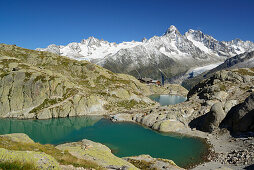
{"points": [[174, 89], [95, 152], [147, 162], [219, 94], [38, 159], [241, 117]]}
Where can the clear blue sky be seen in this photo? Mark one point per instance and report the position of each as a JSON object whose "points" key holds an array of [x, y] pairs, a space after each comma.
{"points": [[38, 23]]}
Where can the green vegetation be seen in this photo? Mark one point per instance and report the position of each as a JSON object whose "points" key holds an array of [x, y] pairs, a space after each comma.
{"points": [[128, 104], [223, 87], [46, 103], [64, 158], [17, 166], [49, 102], [141, 164], [70, 92], [244, 72]]}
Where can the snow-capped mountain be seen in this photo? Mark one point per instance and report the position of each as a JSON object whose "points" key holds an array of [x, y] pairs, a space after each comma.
{"points": [[89, 49], [172, 52]]}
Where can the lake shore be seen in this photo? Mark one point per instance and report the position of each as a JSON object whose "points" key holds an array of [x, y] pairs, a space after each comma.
{"points": [[224, 149]]}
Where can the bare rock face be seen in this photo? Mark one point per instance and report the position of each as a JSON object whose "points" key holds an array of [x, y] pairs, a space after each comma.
{"points": [[241, 117]]}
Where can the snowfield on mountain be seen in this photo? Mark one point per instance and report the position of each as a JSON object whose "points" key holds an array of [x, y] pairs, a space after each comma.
{"points": [[175, 54]]}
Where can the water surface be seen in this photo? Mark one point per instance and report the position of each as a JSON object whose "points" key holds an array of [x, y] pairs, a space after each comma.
{"points": [[167, 99], [124, 139]]}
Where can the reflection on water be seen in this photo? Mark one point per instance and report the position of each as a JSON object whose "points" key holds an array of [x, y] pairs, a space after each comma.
{"points": [[51, 131], [125, 139], [168, 99]]}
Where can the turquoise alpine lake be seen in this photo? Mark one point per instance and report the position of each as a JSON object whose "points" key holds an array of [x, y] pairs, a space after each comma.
{"points": [[124, 139], [167, 99]]}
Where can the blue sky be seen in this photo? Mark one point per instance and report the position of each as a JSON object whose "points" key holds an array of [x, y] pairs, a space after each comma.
{"points": [[38, 23]]}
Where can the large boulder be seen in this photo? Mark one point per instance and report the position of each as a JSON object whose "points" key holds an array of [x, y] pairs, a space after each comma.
{"points": [[168, 125], [213, 118], [241, 117]]}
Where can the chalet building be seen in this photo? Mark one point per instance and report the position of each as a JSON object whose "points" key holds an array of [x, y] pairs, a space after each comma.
{"points": [[149, 81]]}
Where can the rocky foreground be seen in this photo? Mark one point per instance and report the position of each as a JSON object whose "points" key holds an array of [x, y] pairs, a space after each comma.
{"points": [[18, 151]]}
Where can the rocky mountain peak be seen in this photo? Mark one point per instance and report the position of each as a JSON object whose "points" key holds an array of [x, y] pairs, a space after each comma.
{"points": [[144, 40], [196, 34], [172, 30]]}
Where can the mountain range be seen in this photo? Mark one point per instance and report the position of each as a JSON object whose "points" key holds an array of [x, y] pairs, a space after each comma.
{"points": [[173, 53]]}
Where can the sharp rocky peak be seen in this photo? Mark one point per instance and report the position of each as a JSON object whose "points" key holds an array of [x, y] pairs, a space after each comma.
{"points": [[172, 30], [92, 41]]}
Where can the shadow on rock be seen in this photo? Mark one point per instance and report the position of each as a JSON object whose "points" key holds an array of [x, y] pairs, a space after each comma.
{"points": [[241, 117], [250, 167], [197, 122]]}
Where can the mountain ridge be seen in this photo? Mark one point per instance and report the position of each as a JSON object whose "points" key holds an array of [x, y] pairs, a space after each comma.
{"points": [[167, 52]]}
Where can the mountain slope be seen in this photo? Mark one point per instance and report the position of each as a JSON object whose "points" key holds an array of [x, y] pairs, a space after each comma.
{"points": [[43, 85], [172, 52], [244, 60]]}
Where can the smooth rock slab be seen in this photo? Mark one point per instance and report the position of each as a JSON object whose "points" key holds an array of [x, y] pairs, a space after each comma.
{"points": [[95, 152], [148, 162]]}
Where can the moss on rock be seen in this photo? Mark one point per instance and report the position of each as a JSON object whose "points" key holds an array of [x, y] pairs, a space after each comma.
{"points": [[96, 152]]}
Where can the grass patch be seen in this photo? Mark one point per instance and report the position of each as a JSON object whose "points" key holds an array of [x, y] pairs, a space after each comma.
{"points": [[17, 166], [128, 104], [141, 164], [49, 102], [223, 87], [70, 92], [252, 69], [3, 74], [46, 103], [64, 158], [244, 72]]}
